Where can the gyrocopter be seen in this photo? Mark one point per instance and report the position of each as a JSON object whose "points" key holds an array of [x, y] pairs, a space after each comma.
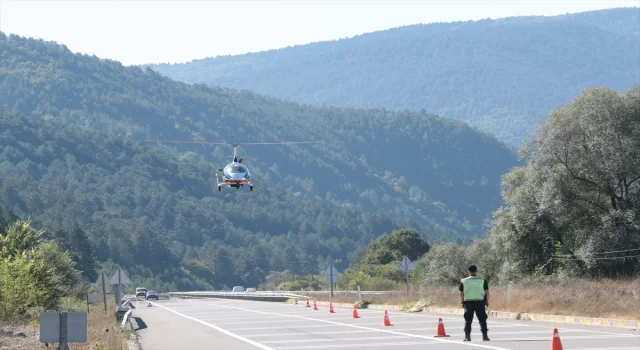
{"points": [[234, 174]]}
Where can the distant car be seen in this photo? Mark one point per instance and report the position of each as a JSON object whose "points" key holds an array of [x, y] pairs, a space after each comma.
{"points": [[152, 295], [238, 289], [251, 290], [141, 292]]}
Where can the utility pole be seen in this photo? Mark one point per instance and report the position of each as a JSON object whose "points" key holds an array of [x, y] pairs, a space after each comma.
{"points": [[104, 292]]}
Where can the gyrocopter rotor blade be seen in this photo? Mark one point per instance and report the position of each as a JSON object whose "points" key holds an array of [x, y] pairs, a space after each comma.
{"points": [[196, 142], [236, 144], [274, 143]]}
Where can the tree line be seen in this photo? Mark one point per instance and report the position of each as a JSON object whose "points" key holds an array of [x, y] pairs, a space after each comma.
{"points": [[573, 211]]}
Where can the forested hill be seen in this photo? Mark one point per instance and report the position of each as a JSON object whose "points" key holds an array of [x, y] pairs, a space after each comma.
{"points": [[502, 76], [432, 170], [160, 216]]}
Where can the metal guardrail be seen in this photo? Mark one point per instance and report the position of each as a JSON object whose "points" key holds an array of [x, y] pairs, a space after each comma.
{"points": [[343, 292], [126, 317], [287, 293], [257, 296], [279, 296]]}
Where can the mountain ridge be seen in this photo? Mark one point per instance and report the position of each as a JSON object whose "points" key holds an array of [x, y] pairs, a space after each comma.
{"points": [[154, 211], [501, 75], [448, 175]]}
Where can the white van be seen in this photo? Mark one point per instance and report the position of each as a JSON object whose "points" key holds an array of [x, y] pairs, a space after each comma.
{"points": [[238, 289]]}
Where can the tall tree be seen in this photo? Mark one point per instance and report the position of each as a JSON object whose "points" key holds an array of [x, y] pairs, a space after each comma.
{"points": [[578, 198], [392, 247], [75, 240]]}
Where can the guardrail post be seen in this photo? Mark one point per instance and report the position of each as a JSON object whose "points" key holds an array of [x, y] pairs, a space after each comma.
{"points": [[63, 331]]}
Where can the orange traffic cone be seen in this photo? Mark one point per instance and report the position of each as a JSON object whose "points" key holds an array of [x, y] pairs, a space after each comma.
{"points": [[331, 308], [355, 312], [441, 331], [555, 342], [315, 307], [386, 319]]}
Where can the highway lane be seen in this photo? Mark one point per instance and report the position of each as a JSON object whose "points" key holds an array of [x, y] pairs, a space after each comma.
{"points": [[161, 329], [238, 324]]}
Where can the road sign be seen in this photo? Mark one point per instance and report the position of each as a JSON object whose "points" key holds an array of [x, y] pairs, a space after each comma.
{"points": [[63, 328], [119, 277], [332, 274], [406, 265], [332, 277], [107, 284], [95, 298]]}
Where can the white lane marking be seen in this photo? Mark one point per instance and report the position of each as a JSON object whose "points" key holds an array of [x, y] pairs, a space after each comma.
{"points": [[456, 334], [306, 340], [491, 322], [261, 346], [216, 318], [381, 321], [287, 327], [332, 340], [360, 327], [367, 331], [302, 334], [625, 348], [354, 346], [222, 323], [563, 337]]}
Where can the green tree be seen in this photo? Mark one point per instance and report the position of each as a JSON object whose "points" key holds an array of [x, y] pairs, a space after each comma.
{"points": [[578, 198], [75, 240], [34, 273], [392, 247]]}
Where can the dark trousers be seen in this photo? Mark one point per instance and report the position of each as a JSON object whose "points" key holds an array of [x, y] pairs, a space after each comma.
{"points": [[477, 307]]}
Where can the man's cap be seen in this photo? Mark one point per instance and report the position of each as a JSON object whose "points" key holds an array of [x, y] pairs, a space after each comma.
{"points": [[473, 268]]}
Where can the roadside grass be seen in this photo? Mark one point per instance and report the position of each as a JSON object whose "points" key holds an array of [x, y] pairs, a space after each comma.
{"points": [[103, 332], [588, 298]]}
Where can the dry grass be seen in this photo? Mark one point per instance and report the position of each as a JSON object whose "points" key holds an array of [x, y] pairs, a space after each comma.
{"points": [[103, 333], [605, 299]]}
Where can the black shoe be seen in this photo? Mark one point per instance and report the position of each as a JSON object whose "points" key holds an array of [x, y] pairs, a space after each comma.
{"points": [[467, 336], [485, 337]]}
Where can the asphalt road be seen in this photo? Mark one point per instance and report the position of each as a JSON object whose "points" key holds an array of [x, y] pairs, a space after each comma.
{"points": [[244, 325]]}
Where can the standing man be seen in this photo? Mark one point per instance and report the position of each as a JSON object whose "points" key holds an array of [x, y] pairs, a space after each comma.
{"points": [[474, 296]]}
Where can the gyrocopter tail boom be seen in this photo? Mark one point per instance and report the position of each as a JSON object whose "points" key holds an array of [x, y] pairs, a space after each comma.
{"points": [[235, 174]]}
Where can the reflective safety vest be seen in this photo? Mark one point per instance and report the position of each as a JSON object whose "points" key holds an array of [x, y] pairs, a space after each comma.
{"points": [[473, 288]]}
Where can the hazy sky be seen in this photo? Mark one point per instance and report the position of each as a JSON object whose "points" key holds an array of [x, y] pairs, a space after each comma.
{"points": [[152, 31]]}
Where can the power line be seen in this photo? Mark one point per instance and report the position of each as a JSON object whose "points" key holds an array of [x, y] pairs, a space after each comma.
{"points": [[610, 252], [601, 258], [616, 251]]}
